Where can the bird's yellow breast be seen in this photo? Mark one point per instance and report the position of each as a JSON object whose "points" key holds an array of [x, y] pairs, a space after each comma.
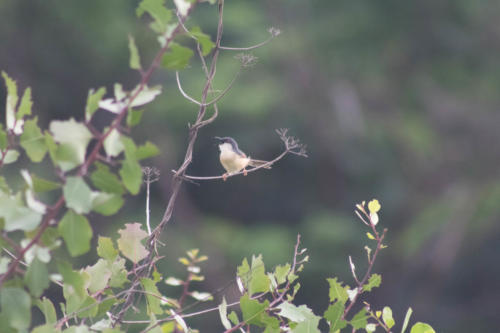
{"points": [[233, 162]]}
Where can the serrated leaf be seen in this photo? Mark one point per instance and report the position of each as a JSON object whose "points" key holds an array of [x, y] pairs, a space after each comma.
{"points": [[48, 310], [99, 273], [16, 304], [135, 62], [33, 141], [334, 316], [177, 57], [76, 232], [93, 99], [387, 317], [106, 248], [78, 195], [74, 138], [254, 278], [152, 295], [37, 277], [157, 10], [296, 313], [373, 282], [129, 242], [12, 123], [281, 272], [360, 319], [254, 312], [172, 281], [203, 39], [370, 236], [337, 291], [118, 273], [147, 150], [25, 104], [422, 328]]}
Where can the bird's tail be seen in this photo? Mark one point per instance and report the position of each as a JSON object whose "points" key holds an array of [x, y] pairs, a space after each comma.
{"points": [[258, 163]]}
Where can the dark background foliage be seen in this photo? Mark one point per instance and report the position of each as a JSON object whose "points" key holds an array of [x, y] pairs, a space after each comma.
{"points": [[396, 100]]}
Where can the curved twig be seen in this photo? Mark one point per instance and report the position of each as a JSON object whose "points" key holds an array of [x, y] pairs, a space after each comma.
{"points": [[274, 33]]}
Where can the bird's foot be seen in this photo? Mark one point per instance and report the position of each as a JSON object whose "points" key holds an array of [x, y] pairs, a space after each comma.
{"points": [[224, 177], [245, 173]]}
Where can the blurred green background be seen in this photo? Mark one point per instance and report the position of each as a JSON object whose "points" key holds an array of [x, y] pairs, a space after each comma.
{"points": [[396, 100]]}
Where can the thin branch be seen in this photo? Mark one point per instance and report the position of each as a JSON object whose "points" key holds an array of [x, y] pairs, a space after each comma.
{"points": [[292, 146], [186, 96], [274, 33]]}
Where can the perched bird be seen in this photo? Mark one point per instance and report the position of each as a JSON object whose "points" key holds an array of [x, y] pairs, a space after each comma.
{"points": [[233, 159]]}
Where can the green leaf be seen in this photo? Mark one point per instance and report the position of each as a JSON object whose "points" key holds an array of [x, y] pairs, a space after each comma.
{"points": [[48, 310], [33, 141], [337, 292], [78, 195], [387, 317], [135, 62], [422, 328], [37, 277], [93, 99], [147, 150], [74, 138], [360, 319], [281, 272], [308, 321], [77, 233], [108, 205], [106, 248], [129, 242], [16, 216], [11, 156], [157, 10], [43, 185], [47, 328], [254, 312], [134, 117], [234, 318], [177, 57], [373, 282], [3, 138], [16, 306], [118, 273], [153, 296], [131, 172], [203, 39], [145, 95], [223, 314], [333, 315], [112, 144], [25, 105], [13, 124], [407, 320], [100, 274], [104, 180]]}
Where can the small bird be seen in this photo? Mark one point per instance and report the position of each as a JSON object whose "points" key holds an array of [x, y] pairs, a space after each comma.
{"points": [[233, 159]]}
